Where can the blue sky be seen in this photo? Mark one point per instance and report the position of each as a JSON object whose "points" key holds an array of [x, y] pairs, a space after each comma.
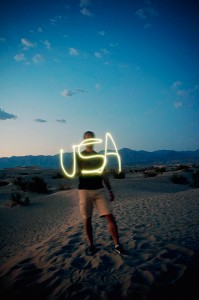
{"points": [[125, 67]]}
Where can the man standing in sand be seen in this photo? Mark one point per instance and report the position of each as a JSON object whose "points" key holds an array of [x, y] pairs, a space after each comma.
{"points": [[91, 193]]}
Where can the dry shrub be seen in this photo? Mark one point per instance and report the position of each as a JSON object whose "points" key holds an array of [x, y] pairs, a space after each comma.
{"points": [[195, 179], [36, 185], [179, 179], [3, 183], [150, 173], [17, 199], [120, 175]]}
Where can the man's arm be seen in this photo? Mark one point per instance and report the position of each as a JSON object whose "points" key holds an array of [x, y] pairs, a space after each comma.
{"points": [[78, 165], [107, 184]]}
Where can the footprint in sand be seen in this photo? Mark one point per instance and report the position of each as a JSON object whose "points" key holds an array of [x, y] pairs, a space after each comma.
{"points": [[92, 276]]}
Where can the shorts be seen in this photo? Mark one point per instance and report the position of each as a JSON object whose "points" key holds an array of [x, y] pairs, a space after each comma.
{"points": [[90, 198]]}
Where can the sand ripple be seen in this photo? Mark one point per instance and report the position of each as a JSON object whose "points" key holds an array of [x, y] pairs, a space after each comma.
{"points": [[159, 230]]}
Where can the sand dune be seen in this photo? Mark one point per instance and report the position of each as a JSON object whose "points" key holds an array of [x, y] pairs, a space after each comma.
{"points": [[158, 224]]}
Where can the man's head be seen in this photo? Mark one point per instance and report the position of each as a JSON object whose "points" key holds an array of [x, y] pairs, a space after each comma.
{"points": [[89, 135]]}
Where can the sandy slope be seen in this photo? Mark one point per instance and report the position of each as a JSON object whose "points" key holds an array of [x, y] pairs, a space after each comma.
{"points": [[158, 224]]}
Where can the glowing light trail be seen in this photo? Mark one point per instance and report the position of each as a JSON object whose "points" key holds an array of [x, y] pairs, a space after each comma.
{"points": [[92, 141]]}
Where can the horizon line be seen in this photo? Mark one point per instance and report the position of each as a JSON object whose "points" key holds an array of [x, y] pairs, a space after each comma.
{"points": [[100, 151]]}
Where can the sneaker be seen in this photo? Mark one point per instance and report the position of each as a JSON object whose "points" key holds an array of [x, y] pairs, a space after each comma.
{"points": [[91, 250], [120, 250]]}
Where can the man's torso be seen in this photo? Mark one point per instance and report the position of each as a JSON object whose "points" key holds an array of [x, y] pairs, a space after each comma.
{"points": [[91, 181]]}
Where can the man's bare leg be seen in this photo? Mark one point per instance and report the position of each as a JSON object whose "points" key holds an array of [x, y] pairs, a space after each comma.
{"points": [[89, 230], [112, 226]]}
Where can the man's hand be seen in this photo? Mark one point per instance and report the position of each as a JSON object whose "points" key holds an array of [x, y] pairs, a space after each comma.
{"points": [[111, 195]]}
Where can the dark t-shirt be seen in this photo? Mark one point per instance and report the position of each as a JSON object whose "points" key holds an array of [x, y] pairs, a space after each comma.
{"points": [[89, 181]]}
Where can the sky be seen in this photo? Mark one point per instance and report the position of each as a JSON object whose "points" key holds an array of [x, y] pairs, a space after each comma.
{"points": [[130, 68]]}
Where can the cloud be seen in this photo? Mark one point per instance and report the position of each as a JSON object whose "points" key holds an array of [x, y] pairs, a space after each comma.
{"points": [[37, 59], [40, 120], [73, 52], [146, 12], [178, 104], [105, 51], [113, 44], [5, 116], [20, 57], [2, 39], [63, 121], [40, 29], [67, 93], [147, 25], [101, 33], [98, 54], [183, 93], [47, 44], [84, 3], [185, 97], [140, 13], [101, 53], [27, 44], [81, 91], [67, 6], [86, 12], [176, 84], [97, 85], [57, 19]]}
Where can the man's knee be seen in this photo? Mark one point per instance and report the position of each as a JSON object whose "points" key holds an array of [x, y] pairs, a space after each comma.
{"points": [[110, 218], [87, 221]]}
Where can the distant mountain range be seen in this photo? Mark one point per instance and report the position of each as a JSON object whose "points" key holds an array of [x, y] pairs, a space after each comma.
{"points": [[129, 158]]}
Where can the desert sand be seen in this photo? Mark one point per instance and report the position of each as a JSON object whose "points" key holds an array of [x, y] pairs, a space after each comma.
{"points": [[43, 245]]}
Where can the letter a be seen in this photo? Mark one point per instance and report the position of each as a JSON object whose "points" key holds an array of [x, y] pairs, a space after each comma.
{"points": [[108, 135]]}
